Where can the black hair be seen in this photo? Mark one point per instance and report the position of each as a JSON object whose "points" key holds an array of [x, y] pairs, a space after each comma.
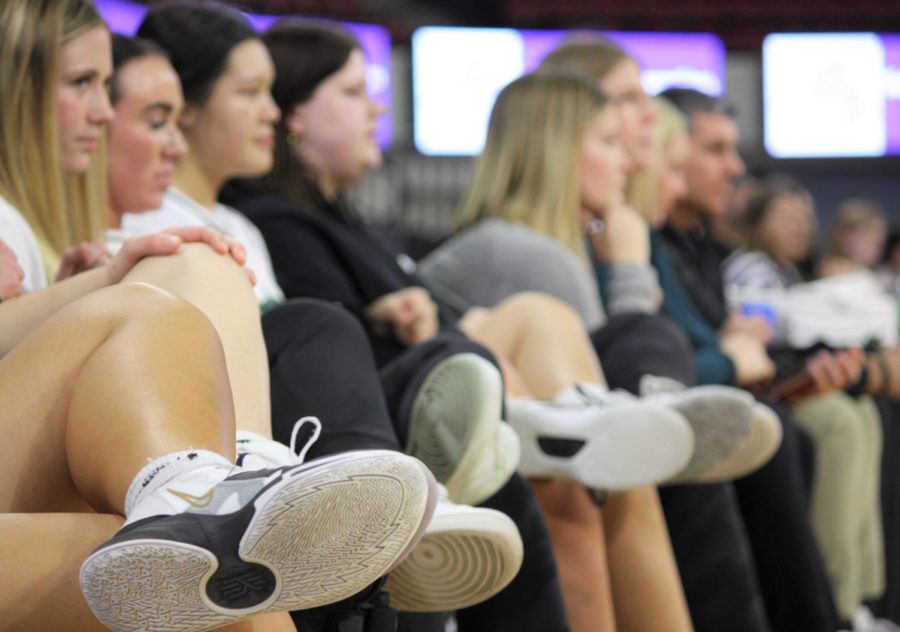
{"points": [[198, 37], [690, 101]]}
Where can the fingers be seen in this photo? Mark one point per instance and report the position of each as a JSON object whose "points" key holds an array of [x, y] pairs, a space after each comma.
{"points": [[409, 313], [222, 244], [831, 372], [85, 256], [423, 328], [192, 234], [382, 310], [137, 248], [238, 253]]}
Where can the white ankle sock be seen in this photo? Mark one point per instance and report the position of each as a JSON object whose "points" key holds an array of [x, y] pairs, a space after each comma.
{"points": [[182, 467]]}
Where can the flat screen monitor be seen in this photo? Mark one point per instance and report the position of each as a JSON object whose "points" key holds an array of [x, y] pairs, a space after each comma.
{"points": [[125, 17], [831, 95], [457, 73]]}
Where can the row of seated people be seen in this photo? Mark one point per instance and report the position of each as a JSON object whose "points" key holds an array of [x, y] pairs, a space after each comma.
{"points": [[390, 356]]}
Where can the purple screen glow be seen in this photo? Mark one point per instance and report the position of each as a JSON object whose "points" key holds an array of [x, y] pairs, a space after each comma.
{"points": [[457, 73], [125, 17], [892, 79]]}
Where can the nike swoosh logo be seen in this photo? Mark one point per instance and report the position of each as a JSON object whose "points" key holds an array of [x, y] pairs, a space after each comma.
{"points": [[197, 502]]}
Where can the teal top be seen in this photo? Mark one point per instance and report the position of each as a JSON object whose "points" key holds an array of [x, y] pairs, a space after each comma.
{"points": [[712, 366]]}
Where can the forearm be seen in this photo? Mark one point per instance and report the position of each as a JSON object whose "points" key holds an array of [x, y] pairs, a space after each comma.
{"points": [[21, 315]]}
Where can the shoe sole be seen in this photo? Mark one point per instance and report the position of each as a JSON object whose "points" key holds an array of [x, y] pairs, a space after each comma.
{"points": [[720, 418], [625, 446], [315, 537], [457, 564], [754, 451], [456, 429]]}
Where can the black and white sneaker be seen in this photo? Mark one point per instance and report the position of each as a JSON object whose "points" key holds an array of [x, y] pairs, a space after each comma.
{"points": [[262, 541], [609, 444]]}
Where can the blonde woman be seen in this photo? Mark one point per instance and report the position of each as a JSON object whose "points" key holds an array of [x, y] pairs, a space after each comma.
{"points": [[533, 196], [116, 404], [738, 359]]}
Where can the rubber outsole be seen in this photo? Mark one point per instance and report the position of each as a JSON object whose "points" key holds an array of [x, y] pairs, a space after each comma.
{"points": [[322, 534], [456, 429], [461, 561]]}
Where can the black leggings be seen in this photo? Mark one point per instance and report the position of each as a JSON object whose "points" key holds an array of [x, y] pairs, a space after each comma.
{"points": [[725, 536], [321, 364]]}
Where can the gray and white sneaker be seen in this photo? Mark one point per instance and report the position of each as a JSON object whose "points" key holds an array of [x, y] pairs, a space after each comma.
{"points": [[457, 432], [467, 555], [735, 435], [757, 447], [259, 541], [607, 443]]}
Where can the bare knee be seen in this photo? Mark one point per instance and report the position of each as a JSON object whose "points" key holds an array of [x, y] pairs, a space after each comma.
{"points": [[195, 268], [131, 302], [542, 308]]}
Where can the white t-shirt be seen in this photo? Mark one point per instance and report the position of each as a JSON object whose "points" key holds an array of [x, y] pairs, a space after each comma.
{"points": [[180, 210], [17, 234]]}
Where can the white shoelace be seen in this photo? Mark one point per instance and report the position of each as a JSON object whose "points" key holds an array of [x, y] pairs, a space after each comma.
{"points": [[298, 425]]}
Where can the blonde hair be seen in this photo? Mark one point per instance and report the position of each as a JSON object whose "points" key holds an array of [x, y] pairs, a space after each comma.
{"points": [[587, 54], [62, 209], [528, 171], [643, 185]]}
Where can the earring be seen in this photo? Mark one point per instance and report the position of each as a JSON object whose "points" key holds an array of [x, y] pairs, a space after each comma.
{"points": [[292, 138]]}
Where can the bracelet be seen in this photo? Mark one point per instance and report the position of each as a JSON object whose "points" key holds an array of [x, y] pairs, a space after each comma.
{"points": [[886, 377], [859, 388]]}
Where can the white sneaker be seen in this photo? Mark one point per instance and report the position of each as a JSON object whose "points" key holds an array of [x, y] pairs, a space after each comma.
{"points": [[467, 555], [457, 432], [721, 417], [264, 541], [615, 442]]}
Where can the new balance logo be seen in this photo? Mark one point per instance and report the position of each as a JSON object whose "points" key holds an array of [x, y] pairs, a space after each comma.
{"points": [[197, 502]]}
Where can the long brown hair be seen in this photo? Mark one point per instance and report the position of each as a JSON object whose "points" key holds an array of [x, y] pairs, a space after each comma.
{"points": [[305, 53]]}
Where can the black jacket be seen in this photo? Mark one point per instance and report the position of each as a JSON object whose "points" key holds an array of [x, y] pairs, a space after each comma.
{"points": [[331, 254], [697, 260]]}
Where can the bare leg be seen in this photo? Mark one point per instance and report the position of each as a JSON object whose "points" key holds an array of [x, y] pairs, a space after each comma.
{"points": [[646, 587], [218, 287], [80, 415], [576, 530], [575, 525], [43, 593], [543, 339], [547, 345]]}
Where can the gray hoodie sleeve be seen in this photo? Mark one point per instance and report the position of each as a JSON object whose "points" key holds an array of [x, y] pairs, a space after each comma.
{"points": [[632, 287]]}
